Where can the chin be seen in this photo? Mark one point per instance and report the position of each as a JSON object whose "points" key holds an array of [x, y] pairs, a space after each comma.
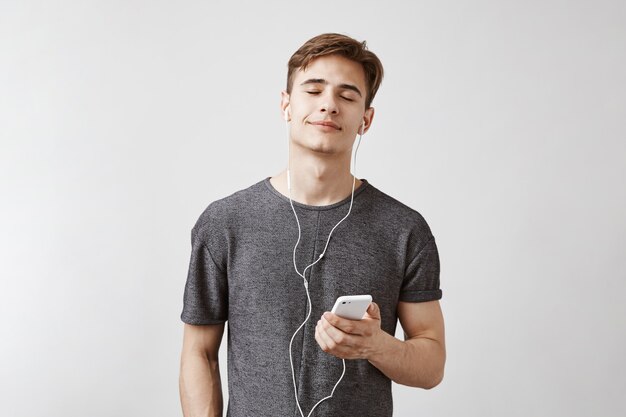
{"points": [[323, 145], [326, 150]]}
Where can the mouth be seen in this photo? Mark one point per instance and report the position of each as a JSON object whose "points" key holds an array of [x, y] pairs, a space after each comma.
{"points": [[326, 125]]}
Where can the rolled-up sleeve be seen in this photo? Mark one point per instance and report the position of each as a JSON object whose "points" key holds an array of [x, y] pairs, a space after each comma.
{"points": [[421, 279]]}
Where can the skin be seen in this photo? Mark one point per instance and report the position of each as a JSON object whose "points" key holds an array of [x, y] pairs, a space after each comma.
{"points": [[320, 175], [418, 361], [199, 383], [320, 156]]}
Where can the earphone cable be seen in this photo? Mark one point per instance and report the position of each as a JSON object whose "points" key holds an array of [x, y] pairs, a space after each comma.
{"points": [[303, 274]]}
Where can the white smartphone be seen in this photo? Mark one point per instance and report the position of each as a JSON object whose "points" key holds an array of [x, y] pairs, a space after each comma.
{"points": [[352, 307]]}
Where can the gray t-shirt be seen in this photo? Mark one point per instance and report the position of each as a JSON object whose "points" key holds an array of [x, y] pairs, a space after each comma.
{"points": [[241, 271]]}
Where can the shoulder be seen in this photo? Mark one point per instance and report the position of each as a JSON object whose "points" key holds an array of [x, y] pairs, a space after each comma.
{"points": [[395, 214], [223, 212]]}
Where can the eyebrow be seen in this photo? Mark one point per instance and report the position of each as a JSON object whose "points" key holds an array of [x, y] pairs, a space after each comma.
{"points": [[323, 81]]}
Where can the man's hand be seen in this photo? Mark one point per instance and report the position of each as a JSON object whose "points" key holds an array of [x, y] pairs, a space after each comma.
{"points": [[351, 339]]}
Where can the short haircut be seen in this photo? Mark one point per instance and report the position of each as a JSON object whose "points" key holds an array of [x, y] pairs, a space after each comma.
{"points": [[342, 45]]}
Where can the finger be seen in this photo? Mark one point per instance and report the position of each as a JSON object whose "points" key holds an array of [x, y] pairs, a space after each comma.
{"points": [[326, 342], [319, 339], [339, 337], [330, 346], [373, 311], [345, 325]]}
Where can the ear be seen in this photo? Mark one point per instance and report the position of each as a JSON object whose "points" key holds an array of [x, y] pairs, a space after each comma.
{"points": [[368, 117], [284, 105]]}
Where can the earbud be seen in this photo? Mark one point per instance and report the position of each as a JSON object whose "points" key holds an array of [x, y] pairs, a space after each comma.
{"points": [[303, 273]]}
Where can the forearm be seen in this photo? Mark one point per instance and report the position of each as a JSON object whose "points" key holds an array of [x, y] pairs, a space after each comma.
{"points": [[418, 362], [200, 386]]}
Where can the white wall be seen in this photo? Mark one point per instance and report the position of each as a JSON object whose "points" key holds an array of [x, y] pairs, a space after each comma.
{"points": [[502, 122]]}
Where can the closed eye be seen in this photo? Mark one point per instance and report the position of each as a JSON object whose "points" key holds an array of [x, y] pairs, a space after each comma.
{"points": [[314, 93]]}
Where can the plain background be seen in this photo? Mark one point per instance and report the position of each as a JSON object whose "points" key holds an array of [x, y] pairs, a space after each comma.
{"points": [[502, 122]]}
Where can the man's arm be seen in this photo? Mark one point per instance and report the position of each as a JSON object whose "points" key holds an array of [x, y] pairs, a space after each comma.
{"points": [[199, 383], [418, 361]]}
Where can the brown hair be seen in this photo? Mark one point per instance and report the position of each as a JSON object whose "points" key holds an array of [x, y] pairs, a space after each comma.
{"points": [[342, 45]]}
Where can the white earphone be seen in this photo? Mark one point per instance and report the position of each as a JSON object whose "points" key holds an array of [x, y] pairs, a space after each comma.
{"points": [[302, 275]]}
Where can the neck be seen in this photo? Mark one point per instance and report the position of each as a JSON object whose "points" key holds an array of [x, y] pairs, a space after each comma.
{"points": [[317, 179]]}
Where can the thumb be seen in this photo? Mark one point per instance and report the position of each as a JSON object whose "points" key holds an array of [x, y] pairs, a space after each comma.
{"points": [[373, 311]]}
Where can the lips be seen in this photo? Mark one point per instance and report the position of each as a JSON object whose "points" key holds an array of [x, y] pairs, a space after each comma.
{"points": [[327, 123]]}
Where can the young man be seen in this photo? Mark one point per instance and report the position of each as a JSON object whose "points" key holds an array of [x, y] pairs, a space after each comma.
{"points": [[244, 268]]}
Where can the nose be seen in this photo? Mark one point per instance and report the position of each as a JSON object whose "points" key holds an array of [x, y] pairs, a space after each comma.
{"points": [[329, 105]]}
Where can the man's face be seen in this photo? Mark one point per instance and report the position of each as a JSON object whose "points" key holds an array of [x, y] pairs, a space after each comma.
{"points": [[327, 105]]}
